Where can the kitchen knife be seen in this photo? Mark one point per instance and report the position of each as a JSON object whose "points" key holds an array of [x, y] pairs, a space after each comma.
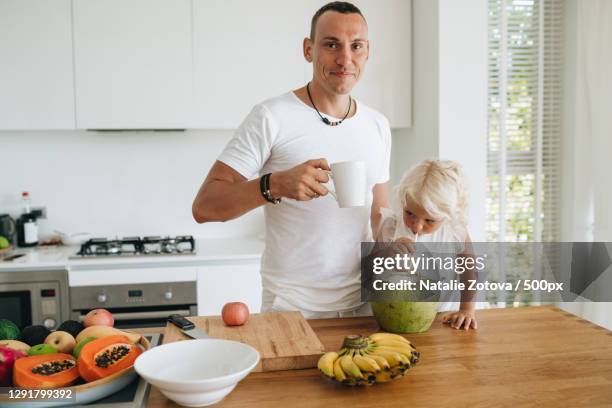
{"points": [[187, 327]]}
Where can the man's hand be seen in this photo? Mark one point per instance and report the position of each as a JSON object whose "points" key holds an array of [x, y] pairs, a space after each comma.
{"points": [[462, 319], [302, 182]]}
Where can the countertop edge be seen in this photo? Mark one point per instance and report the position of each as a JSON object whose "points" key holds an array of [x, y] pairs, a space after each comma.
{"points": [[209, 252]]}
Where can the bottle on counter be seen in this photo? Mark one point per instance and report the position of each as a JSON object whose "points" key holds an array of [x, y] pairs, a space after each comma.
{"points": [[27, 228]]}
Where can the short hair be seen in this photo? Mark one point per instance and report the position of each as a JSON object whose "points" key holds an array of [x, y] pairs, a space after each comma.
{"points": [[343, 7]]}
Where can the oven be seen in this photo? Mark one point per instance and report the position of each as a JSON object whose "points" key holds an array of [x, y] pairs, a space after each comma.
{"points": [[34, 297], [137, 279], [135, 305]]}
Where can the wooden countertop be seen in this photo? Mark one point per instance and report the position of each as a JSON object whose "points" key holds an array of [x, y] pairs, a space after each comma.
{"points": [[533, 356]]}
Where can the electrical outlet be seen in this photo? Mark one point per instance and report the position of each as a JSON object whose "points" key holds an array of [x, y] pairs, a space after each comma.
{"points": [[40, 212]]}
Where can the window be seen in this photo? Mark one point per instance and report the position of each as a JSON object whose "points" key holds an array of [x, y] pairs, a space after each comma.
{"points": [[523, 197], [524, 134]]}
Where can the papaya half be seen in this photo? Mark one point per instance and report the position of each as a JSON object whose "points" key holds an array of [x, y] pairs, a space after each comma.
{"points": [[105, 356], [45, 371]]}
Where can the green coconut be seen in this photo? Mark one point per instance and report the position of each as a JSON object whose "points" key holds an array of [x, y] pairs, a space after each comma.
{"points": [[406, 311], [405, 317]]}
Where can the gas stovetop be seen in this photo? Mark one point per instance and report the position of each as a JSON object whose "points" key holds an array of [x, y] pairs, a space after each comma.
{"points": [[137, 246]]}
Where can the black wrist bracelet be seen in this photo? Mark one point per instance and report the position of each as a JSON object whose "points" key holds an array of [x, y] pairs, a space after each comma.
{"points": [[268, 193], [264, 186]]}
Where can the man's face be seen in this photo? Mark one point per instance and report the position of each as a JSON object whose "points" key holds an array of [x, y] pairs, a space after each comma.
{"points": [[339, 51]]}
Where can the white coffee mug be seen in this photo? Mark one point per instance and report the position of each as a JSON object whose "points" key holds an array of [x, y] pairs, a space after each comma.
{"points": [[349, 179]]}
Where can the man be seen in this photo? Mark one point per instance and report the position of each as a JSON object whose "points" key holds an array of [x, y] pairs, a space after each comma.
{"points": [[312, 254]]}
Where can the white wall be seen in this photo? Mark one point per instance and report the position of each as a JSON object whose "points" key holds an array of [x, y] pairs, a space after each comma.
{"points": [[570, 170], [116, 183], [463, 99], [410, 146], [123, 183], [450, 96]]}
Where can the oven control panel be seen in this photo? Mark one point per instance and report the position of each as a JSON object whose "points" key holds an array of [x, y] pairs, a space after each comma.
{"points": [[130, 295]]}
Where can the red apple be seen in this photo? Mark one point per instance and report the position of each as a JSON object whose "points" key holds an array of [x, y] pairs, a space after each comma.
{"points": [[235, 313], [99, 317]]}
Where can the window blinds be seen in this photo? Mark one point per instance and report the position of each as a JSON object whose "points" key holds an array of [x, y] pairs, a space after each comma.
{"points": [[524, 129]]}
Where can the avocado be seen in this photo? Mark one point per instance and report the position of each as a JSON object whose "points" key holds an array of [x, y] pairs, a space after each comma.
{"points": [[71, 326], [34, 335], [9, 330]]}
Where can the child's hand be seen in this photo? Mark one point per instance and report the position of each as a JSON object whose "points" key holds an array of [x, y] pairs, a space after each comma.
{"points": [[465, 319], [404, 245]]}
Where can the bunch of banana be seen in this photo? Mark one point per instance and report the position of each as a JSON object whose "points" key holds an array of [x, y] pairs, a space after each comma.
{"points": [[366, 360]]}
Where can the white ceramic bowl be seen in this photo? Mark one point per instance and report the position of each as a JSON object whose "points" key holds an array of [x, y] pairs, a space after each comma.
{"points": [[74, 238], [195, 373]]}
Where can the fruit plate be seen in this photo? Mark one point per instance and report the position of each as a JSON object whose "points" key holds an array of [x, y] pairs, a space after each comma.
{"points": [[87, 392]]}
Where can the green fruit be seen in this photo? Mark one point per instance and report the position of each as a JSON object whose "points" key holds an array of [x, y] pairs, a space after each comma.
{"points": [[4, 242], [9, 330], [41, 349], [405, 317], [80, 344]]}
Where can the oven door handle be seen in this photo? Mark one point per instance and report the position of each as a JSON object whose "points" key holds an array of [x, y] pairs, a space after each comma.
{"points": [[146, 315]]}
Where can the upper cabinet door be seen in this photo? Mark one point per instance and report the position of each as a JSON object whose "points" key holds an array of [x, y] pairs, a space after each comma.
{"points": [[36, 76], [133, 64], [245, 52]]}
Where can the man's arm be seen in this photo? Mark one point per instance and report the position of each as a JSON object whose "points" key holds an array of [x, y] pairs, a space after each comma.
{"points": [[226, 194], [380, 199]]}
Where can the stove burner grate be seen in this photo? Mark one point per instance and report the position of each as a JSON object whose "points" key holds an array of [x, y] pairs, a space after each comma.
{"points": [[153, 245]]}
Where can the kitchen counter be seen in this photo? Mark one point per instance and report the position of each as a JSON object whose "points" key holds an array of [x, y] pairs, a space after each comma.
{"points": [[534, 356], [207, 251]]}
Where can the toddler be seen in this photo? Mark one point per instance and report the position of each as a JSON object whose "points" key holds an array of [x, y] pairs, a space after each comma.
{"points": [[431, 204]]}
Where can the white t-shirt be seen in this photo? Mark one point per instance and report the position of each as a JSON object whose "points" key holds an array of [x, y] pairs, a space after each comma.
{"points": [[448, 238], [311, 260]]}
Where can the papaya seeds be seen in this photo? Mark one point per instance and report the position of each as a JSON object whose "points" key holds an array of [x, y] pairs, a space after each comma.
{"points": [[106, 356]]}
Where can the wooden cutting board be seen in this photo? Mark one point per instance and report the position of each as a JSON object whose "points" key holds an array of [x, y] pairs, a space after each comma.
{"points": [[285, 340]]}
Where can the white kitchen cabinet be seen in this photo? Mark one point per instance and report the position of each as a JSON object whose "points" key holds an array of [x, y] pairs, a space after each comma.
{"points": [[36, 75], [133, 63], [233, 282], [245, 52], [109, 274]]}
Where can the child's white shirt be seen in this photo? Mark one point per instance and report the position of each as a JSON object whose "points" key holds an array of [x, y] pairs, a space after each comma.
{"points": [[392, 227]]}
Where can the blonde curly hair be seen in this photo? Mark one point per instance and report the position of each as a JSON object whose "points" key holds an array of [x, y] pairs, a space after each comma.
{"points": [[439, 187]]}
